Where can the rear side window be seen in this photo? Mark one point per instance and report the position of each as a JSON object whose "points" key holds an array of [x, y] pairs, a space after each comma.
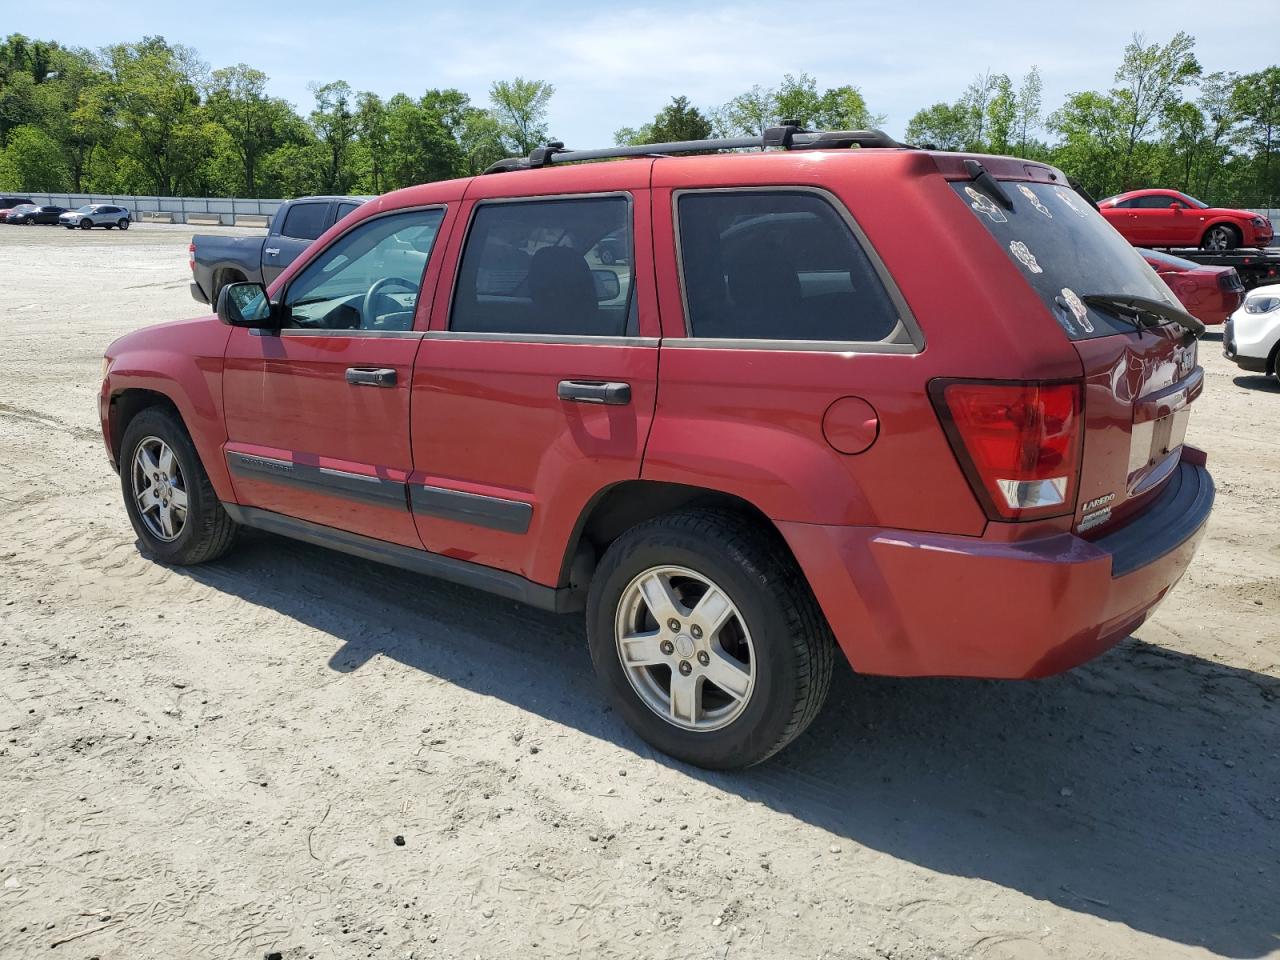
{"points": [[559, 267], [305, 221], [1066, 250], [345, 208], [764, 265]]}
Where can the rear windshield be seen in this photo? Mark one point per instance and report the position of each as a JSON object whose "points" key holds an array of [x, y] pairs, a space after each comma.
{"points": [[1066, 251]]}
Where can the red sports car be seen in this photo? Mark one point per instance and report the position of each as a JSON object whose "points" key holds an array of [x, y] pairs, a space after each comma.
{"points": [[1167, 218], [1210, 294]]}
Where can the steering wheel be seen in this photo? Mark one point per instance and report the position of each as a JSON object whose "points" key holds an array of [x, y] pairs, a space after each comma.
{"points": [[366, 309]]}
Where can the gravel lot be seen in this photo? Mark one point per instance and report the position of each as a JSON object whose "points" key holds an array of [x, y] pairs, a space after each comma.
{"points": [[214, 762]]}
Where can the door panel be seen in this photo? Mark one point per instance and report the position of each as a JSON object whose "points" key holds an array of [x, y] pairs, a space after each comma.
{"points": [[317, 414], [503, 467], [304, 442]]}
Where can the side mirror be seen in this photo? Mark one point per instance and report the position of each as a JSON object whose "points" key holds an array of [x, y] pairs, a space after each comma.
{"points": [[607, 286], [246, 305], [1175, 206]]}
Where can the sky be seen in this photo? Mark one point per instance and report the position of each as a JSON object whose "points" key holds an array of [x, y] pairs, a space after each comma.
{"points": [[615, 64]]}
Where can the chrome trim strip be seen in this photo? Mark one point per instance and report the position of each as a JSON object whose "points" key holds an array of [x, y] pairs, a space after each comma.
{"points": [[906, 319], [496, 513], [811, 346], [361, 334], [542, 338], [328, 481]]}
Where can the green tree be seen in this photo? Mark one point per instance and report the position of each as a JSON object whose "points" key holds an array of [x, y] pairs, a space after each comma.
{"points": [[1002, 114], [1027, 106], [1150, 80], [152, 93], [520, 107], [1256, 99], [255, 122], [335, 127], [944, 125], [677, 121], [33, 162], [750, 113], [844, 108]]}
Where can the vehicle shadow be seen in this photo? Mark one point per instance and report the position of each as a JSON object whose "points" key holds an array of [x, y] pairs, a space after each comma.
{"points": [[1143, 789], [1213, 336], [1259, 382]]}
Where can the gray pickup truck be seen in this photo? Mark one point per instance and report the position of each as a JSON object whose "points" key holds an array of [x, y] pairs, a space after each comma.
{"points": [[217, 261]]}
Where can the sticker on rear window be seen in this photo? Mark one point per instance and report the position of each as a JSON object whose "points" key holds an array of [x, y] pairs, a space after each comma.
{"points": [[1077, 308], [986, 206], [1071, 200], [1024, 256], [1035, 201]]}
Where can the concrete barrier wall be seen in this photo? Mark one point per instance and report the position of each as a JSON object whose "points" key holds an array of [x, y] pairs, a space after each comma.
{"points": [[223, 210]]}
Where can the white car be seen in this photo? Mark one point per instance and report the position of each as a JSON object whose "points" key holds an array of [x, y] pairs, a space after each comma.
{"points": [[96, 215], [1251, 337]]}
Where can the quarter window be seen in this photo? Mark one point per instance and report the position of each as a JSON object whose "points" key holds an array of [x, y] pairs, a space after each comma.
{"points": [[305, 221], [765, 265], [369, 278], [560, 267]]}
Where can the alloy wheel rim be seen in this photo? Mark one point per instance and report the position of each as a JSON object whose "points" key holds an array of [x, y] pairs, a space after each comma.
{"points": [[685, 648], [159, 489], [1217, 239]]}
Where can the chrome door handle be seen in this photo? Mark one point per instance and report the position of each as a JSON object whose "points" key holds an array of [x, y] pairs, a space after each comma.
{"points": [[595, 391], [367, 377], [272, 251]]}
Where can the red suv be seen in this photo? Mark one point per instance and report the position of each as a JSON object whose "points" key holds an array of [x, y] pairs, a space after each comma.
{"points": [[719, 403], [1167, 218]]}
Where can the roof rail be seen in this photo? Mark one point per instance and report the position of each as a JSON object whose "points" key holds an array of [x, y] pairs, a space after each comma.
{"points": [[786, 136]]}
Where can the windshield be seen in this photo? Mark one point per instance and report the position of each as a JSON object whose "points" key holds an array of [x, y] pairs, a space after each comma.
{"points": [[1066, 251], [1169, 260]]}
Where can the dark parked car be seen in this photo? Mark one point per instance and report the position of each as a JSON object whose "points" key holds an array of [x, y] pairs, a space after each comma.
{"points": [[96, 215], [29, 213], [217, 261], [8, 203]]}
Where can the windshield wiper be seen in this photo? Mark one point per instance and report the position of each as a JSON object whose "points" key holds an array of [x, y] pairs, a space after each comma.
{"points": [[1145, 306]]}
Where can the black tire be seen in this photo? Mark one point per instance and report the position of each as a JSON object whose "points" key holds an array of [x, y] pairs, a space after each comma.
{"points": [[793, 646], [1220, 236], [208, 532], [122, 223], [86, 224]]}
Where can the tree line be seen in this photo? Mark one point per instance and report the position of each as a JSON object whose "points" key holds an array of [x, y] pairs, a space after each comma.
{"points": [[152, 118]]}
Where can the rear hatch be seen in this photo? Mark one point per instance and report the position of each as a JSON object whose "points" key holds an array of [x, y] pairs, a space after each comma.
{"points": [[1140, 368]]}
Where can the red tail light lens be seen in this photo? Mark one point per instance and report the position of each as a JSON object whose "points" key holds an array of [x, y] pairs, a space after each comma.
{"points": [[1019, 443], [191, 256]]}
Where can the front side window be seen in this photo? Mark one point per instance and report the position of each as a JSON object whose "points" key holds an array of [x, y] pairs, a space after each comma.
{"points": [[369, 278], [559, 267], [305, 221], [760, 265]]}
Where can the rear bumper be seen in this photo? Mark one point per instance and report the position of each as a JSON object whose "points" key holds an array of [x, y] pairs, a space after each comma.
{"points": [[914, 604], [198, 293]]}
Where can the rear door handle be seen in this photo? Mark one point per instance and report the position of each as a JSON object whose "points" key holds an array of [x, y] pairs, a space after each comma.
{"points": [[368, 377], [595, 391]]}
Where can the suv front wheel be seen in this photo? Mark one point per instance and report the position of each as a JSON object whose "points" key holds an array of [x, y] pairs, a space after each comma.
{"points": [[171, 503], [707, 638]]}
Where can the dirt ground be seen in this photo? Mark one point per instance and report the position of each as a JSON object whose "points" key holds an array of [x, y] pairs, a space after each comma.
{"points": [[215, 762]]}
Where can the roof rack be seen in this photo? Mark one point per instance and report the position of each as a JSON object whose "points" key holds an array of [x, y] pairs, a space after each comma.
{"points": [[786, 136]]}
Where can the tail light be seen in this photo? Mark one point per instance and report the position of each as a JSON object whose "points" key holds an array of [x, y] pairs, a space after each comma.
{"points": [[1018, 443], [1230, 281], [191, 256]]}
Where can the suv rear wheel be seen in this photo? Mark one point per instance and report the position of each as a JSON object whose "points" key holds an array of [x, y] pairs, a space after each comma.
{"points": [[171, 503], [707, 638]]}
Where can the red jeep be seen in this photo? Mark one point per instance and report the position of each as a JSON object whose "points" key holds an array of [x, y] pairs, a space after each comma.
{"points": [[716, 402]]}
